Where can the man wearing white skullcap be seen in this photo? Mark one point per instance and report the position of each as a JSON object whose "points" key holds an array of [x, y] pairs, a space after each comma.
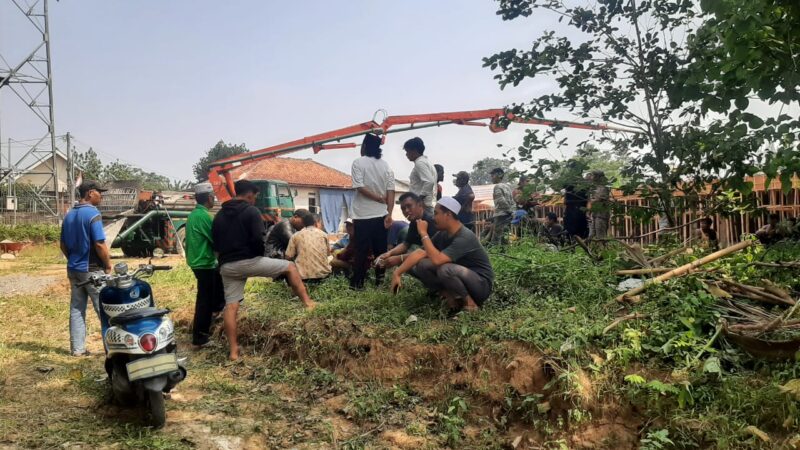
{"points": [[452, 263], [201, 259]]}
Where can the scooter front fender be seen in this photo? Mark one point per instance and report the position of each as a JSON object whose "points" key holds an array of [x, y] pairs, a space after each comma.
{"points": [[156, 384]]}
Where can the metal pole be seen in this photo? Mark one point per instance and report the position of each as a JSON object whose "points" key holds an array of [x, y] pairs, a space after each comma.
{"points": [[70, 171], [52, 125], [11, 190]]}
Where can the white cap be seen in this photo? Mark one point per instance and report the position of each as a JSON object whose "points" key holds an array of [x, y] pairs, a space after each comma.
{"points": [[348, 220], [203, 188], [450, 204]]}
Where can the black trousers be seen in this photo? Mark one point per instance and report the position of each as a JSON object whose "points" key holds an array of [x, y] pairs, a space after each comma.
{"points": [[370, 238], [210, 299]]}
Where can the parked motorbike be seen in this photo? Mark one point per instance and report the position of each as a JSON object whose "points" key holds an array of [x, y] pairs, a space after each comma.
{"points": [[141, 353]]}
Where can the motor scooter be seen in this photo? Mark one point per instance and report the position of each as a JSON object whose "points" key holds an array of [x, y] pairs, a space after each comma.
{"points": [[141, 353]]}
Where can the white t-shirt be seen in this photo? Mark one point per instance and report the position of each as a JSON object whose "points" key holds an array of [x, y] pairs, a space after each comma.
{"points": [[423, 180], [378, 178]]}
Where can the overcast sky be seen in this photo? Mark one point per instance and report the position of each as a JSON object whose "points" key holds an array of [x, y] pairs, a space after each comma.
{"points": [[158, 83]]}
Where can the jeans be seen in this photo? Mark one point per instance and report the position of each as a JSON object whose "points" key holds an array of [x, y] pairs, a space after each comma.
{"points": [[79, 297], [457, 280], [370, 238], [210, 299]]}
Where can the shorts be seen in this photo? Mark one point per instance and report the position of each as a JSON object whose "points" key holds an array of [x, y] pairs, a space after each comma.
{"points": [[235, 274]]}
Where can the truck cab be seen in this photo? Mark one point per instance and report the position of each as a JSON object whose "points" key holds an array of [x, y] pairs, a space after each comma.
{"points": [[275, 200]]}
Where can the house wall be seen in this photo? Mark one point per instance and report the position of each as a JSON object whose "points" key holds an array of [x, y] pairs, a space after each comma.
{"points": [[40, 179]]}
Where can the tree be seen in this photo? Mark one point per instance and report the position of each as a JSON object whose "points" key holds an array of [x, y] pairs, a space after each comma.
{"points": [[749, 50], [90, 163], [480, 173], [220, 151], [627, 68]]}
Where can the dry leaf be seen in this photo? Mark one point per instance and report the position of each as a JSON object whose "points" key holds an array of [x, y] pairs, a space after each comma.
{"points": [[792, 387]]}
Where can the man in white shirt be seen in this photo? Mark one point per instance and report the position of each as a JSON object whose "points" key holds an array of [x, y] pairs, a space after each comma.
{"points": [[423, 175], [373, 180]]}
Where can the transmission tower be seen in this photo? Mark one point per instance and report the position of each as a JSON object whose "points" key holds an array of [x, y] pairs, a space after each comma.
{"points": [[30, 80]]}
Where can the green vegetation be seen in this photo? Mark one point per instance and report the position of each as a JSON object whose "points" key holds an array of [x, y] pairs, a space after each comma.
{"points": [[39, 233], [686, 387]]}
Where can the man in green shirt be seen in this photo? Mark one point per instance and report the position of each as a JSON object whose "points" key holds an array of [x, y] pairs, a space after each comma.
{"points": [[201, 259]]}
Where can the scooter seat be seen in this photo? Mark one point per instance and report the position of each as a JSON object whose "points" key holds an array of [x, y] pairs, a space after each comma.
{"points": [[133, 315]]}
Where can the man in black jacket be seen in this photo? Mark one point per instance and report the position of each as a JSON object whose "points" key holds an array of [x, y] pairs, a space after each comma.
{"points": [[238, 234]]}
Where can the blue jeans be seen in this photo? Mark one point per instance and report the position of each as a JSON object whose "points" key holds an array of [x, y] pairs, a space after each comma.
{"points": [[79, 297]]}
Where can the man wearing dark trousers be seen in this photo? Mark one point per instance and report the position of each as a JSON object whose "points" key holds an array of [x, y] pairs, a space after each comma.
{"points": [[373, 180], [238, 235], [200, 258]]}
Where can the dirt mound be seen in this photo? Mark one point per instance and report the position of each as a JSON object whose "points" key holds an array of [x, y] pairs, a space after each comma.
{"points": [[492, 377]]}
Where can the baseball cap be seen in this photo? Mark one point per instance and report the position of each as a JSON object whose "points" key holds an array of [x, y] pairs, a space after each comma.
{"points": [[90, 185], [203, 188], [450, 204], [461, 175]]}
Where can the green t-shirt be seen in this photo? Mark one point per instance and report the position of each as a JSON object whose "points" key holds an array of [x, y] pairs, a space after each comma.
{"points": [[199, 253]]}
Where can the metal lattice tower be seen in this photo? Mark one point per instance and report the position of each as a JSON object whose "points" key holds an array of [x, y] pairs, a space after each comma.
{"points": [[30, 79]]}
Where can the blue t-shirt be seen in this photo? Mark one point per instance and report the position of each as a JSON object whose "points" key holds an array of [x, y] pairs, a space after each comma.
{"points": [[82, 228]]}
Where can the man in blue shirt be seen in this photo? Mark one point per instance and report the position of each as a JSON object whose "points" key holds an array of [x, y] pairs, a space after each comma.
{"points": [[83, 242]]}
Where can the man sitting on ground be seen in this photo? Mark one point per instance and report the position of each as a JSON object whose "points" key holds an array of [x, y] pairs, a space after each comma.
{"points": [[413, 208], [308, 248], [238, 238], [452, 263], [277, 239], [707, 235], [770, 232]]}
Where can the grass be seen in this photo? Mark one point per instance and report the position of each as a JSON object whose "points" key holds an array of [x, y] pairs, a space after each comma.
{"points": [[552, 304]]}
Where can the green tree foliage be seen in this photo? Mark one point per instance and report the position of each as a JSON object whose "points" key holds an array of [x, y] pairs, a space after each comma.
{"points": [[90, 163], [745, 51], [94, 169], [220, 151], [481, 169], [626, 64]]}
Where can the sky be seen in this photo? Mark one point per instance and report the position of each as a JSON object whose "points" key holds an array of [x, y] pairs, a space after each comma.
{"points": [[158, 83]]}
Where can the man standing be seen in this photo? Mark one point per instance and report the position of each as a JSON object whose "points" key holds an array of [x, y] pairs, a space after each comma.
{"points": [[422, 180], [200, 258], [373, 204], [414, 209], [503, 207], [465, 197], [309, 249], [83, 242], [452, 263], [599, 205], [238, 235]]}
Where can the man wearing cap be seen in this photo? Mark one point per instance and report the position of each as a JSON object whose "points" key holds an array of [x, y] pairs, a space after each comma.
{"points": [[83, 242], [422, 180], [465, 196], [452, 263], [201, 259]]}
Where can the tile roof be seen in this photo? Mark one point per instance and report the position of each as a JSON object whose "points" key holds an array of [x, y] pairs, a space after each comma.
{"points": [[296, 172]]}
